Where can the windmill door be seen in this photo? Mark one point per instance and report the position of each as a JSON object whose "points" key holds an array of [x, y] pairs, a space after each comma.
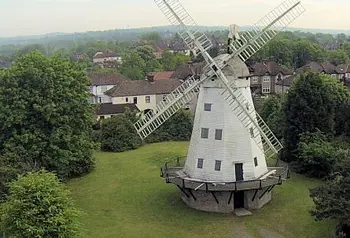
{"points": [[239, 172]]}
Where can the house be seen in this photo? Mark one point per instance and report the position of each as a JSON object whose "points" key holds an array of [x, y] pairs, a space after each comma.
{"points": [[102, 82], [108, 110], [324, 67], [160, 75], [107, 59], [145, 94], [264, 76], [285, 84], [343, 71], [184, 71]]}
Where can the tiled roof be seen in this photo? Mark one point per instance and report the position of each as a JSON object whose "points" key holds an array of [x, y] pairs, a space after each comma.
{"points": [[112, 109], [161, 75], [186, 70], [270, 68], [343, 68], [315, 67], [288, 81], [105, 78], [143, 87]]}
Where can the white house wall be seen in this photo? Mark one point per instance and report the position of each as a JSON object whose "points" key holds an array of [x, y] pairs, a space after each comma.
{"points": [[141, 101]]}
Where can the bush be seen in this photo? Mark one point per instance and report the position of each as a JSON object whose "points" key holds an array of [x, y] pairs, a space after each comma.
{"points": [[39, 206], [118, 134], [177, 128]]}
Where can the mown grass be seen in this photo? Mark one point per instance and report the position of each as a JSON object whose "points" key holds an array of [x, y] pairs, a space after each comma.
{"points": [[125, 197]]}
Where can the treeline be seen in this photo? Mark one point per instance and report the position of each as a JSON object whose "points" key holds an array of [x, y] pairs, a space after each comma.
{"points": [[313, 121]]}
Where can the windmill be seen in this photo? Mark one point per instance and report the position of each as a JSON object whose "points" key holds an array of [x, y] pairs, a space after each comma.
{"points": [[226, 167]]}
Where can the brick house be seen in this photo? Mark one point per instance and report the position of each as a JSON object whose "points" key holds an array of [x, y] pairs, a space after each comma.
{"points": [[264, 76]]}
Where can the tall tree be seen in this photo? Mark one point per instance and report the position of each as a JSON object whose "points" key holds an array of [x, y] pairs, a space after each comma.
{"points": [[39, 206], [133, 66], [45, 116], [311, 104]]}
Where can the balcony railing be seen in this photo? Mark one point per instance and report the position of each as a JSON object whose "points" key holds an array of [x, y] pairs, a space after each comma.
{"points": [[173, 173]]}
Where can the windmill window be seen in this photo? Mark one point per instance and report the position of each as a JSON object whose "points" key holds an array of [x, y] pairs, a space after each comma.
{"points": [[217, 165], [207, 107], [148, 99], [218, 134], [256, 161], [251, 132], [200, 163], [205, 133]]}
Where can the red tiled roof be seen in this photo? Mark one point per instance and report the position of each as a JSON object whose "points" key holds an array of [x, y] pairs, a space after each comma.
{"points": [[161, 75], [143, 87], [105, 78]]}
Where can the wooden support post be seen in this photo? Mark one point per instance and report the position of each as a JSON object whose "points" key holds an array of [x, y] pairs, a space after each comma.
{"points": [[182, 190], [190, 191], [264, 193], [230, 199], [271, 188], [256, 192], [206, 187], [178, 162], [217, 201]]}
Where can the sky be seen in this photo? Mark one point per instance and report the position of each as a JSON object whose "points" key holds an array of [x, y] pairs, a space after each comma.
{"points": [[34, 17]]}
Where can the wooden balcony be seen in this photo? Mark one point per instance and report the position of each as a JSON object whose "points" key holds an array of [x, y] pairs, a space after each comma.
{"points": [[175, 175]]}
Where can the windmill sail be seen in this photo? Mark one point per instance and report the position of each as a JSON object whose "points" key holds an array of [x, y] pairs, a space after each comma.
{"points": [[177, 15], [264, 30], [168, 107]]}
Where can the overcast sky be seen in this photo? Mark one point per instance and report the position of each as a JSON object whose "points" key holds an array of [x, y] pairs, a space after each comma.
{"points": [[32, 17]]}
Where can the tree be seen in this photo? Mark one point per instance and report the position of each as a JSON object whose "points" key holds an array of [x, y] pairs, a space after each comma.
{"points": [[118, 133], [305, 51], [133, 66], [170, 60], [338, 57], [272, 113], [39, 206], [332, 201], [281, 52], [316, 155], [311, 104], [46, 120], [177, 128]]}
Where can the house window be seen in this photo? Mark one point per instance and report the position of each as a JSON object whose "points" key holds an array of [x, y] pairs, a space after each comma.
{"points": [[164, 98], [135, 100], [200, 163], [126, 99], [256, 161], [255, 79], [148, 99], [217, 165], [252, 132], [266, 79], [102, 117], [218, 134], [266, 89], [207, 107], [205, 133], [100, 100]]}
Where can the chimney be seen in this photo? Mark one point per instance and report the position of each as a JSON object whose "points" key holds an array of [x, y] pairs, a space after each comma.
{"points": [[150, 77]]}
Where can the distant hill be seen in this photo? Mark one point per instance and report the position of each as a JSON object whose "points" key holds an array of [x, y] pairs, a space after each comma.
{"points": [[66, 39]]}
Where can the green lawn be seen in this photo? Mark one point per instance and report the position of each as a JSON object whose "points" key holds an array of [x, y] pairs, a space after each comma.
{"points": [[125, 197]]}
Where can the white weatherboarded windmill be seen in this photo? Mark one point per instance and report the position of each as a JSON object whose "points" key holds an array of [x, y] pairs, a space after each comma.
{"points": [[226, 165]]}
